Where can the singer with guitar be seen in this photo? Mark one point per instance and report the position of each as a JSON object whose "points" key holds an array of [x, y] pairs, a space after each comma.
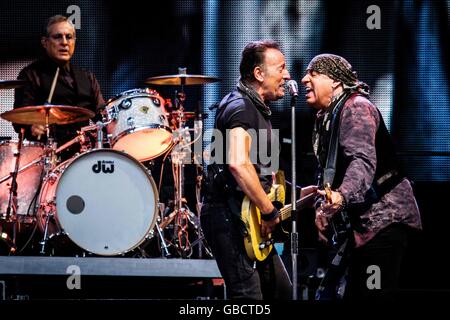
{"points": [[367, 205], [263, 78]]}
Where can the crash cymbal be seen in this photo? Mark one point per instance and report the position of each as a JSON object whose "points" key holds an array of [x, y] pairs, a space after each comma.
{"points": [[181, 79], [12, 84], [57, 114]]}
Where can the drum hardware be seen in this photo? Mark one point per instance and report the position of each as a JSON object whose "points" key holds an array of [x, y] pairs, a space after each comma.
{"points": [[184, 217], [11, 210], [49, 208], [180, 155], [159, 229], [28, 178], [12, 84]]}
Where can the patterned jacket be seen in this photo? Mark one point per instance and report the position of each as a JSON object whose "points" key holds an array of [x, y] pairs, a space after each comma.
{"points": [[356, 168]]}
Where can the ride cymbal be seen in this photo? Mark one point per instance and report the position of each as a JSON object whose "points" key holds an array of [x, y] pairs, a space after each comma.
{"points": [[57, 114], [181, 79]]}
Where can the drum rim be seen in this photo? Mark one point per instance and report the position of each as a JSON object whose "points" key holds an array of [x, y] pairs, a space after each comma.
{"points": [[136, 93], [24, 143], [149, 178]]}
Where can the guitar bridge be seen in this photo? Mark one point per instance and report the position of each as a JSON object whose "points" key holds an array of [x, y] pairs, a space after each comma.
{"points": [[265, 244]]}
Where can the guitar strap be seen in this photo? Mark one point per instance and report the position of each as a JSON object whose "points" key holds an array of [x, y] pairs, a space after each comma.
{"points": [[330, 167], [332, 285]]}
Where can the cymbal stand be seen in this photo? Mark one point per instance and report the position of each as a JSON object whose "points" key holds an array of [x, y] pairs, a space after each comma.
{"points": [[49, 165], [29, 165], [178, 170], [181, 154], [164, 247], [11, 211]]}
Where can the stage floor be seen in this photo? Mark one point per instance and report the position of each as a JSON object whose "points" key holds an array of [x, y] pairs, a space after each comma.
{"points": [[35, 277]]}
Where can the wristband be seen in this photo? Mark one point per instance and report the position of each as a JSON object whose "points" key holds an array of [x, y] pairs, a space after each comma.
{"points": [[270, 216]]}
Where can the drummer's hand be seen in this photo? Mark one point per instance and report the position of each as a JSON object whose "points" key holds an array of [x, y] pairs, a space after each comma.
{"points": [[37, 130]]}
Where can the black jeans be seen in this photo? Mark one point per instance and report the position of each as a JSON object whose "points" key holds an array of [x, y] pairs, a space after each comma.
{"points": [[244, 279], [386, 252]]}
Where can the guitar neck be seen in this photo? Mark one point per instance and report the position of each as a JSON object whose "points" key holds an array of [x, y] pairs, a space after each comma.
{"points": [[285, 212]]}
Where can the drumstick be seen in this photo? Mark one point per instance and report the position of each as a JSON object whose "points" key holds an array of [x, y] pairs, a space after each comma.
{"points": [[52, 89]]}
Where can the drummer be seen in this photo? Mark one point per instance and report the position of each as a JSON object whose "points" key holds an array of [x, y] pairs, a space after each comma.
{"points": [[74, 87]]}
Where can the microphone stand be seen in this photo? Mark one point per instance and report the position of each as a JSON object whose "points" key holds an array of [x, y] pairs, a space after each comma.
{"points": [[294, 234]]}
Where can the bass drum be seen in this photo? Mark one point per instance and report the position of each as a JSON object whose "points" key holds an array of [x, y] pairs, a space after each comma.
{"points": [[104, 201]]}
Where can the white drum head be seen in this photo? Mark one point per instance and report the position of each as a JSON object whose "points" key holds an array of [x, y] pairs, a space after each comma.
{"points": [[106, 202], [145, 144]]}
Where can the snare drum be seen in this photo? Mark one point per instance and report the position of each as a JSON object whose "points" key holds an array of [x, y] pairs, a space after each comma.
{"points": [[138, 124], [104, 201], [28, 179]]}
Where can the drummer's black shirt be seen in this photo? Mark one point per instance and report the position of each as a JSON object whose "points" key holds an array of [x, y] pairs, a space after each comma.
{"points": [[75, 87]]}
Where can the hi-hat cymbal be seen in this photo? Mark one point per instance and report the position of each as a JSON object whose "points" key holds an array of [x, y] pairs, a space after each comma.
{"points": [[12, 84], [57, 114], [181, 79]]}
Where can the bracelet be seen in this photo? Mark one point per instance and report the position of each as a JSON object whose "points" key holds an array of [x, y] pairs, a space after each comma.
{"points": [[270, 216]]}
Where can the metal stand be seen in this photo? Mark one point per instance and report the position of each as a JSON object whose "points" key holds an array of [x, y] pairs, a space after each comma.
{"points": [[49, 165], [164, 247], [11, 211], [181, 154], [293, 90]]}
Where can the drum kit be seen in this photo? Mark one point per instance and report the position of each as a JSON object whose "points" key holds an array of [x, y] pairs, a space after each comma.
{"points": [[102, 201]]}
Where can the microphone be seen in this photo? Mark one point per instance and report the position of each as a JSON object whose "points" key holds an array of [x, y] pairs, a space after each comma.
{"points": [[293, 88]]}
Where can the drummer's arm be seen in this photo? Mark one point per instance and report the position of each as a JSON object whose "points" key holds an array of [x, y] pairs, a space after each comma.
{"points": [[27, 96], [98, 99]]}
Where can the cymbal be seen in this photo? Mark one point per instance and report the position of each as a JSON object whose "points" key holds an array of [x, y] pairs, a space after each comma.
{"points": [[12, 84], [57, 114], [181, 79]]}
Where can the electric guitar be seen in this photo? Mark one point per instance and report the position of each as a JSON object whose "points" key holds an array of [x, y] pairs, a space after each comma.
{"points": [[257, 246], [339, 222]]}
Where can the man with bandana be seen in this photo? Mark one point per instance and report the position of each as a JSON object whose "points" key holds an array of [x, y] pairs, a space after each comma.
{"points": [[263, 76], [74, 87], [368, 191]]}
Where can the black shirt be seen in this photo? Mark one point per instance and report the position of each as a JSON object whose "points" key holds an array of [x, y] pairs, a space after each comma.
{"points": [[238, 110], [75, 87]]}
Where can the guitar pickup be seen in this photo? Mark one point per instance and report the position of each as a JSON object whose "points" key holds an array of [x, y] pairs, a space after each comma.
{"points": [[265, 244]]}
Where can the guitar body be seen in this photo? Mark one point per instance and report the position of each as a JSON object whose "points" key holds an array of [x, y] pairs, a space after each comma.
{"points": [[251, 216]]}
